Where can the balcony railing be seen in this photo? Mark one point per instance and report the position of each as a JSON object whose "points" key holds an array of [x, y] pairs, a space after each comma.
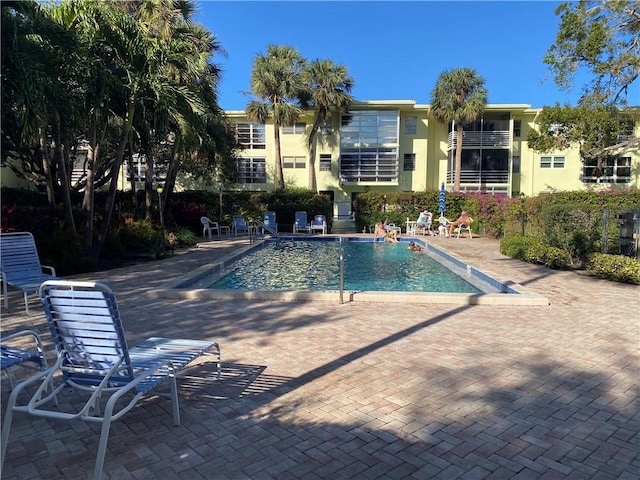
{"points": [[481, 139], [481, 177]]}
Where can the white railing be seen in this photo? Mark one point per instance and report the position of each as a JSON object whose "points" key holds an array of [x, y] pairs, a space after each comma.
{"points": [[500, 138]]}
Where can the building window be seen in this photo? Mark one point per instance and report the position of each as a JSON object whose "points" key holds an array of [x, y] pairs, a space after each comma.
{"points": [[516, 164], [369, 146], [293, 162], [251, 135], [137, 169], [410, 125], [517, 128], [610, 170], [252, 170], [325, 162], [295, 129], [551, 162], [409, 162]]}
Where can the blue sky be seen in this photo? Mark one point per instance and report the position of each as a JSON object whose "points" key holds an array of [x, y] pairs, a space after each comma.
{"points": [[395, 50]]}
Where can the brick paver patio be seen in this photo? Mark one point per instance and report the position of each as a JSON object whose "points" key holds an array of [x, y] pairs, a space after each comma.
{"points": [[322, 390]]}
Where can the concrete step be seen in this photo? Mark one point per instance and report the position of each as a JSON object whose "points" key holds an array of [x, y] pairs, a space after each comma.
{"points": [[343, 226]]}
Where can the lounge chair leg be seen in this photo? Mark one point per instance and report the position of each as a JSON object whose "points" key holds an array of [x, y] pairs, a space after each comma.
{"points": [[102, 447], [174, 400], [26, 303], [6, 427], [5, 288]]}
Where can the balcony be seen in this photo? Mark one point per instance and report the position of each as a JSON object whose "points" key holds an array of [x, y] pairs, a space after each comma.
{"points": [[500, 138], [481, 178]]}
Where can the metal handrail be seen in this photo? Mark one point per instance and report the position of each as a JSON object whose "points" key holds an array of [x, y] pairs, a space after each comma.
{"points": [[341, 270], [260, 224]]}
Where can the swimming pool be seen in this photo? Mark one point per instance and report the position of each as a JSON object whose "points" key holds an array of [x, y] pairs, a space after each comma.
{"points": [[315, 265], [487, 288]]}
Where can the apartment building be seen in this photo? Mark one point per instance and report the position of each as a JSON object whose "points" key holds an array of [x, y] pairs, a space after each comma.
{"points": [[395, 146]]}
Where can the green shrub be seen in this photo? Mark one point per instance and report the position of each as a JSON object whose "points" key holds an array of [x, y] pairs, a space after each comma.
{"points": [[518, 247], [182, 237], [614, 267], [139, 237], [532, 250]]}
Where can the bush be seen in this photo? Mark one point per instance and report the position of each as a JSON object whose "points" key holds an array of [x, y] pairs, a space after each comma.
{"points": [[182, 237], [532, 250], [614, 267], [139, 238]]}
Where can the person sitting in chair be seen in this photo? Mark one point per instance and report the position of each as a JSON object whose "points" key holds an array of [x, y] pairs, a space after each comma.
{"points": [[463, 219], [424, 221]]}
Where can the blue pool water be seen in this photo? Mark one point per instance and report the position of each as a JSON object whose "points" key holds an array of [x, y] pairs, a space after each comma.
{"points": [[314, 265]]}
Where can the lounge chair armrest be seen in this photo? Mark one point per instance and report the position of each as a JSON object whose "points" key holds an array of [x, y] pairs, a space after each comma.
{"points": [[50, 268]]}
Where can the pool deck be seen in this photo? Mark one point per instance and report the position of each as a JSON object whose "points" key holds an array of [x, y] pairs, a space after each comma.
{"points": [[315, 390]]}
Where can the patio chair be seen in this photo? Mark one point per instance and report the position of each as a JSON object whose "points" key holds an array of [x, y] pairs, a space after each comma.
{"points": [[94, 360], [20, 266], [269, 221], [208, 226], [319, 223], [239, 225], [301, 224], [443, 224], [24, 349], [424, 224], [465, 227]]}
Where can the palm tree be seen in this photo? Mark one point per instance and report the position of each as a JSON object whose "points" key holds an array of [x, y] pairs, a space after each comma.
{"points": [[328, 87], [459, 96], [276, 82]]}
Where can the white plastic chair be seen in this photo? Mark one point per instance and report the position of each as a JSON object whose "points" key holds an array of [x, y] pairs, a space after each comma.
{"points": [[463, 226], [208, 226]]}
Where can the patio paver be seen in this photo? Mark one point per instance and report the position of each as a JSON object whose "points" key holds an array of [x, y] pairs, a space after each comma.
{"points": [[323, 390]]}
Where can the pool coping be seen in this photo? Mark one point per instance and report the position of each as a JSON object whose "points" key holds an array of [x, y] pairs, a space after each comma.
{"points": [[510, 293]]}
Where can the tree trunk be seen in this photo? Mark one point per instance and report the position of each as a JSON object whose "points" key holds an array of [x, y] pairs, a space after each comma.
{"points": [[113, 175], [89, 189], [61, 155], [132, 185], [458, 164], [149, 177], [46, 168], [312, 153], [279, 174], [172, 173]]}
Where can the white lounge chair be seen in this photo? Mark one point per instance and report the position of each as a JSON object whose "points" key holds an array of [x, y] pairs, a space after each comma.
{"points": [[93, 358], [301, 223], [319, 223], [15, 352], [20, 266]]}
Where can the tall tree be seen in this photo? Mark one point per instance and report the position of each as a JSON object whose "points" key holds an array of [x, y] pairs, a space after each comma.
{"points": [[460, 97], [328, 87], [276, 82], [600, 133], [603, 38]]}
